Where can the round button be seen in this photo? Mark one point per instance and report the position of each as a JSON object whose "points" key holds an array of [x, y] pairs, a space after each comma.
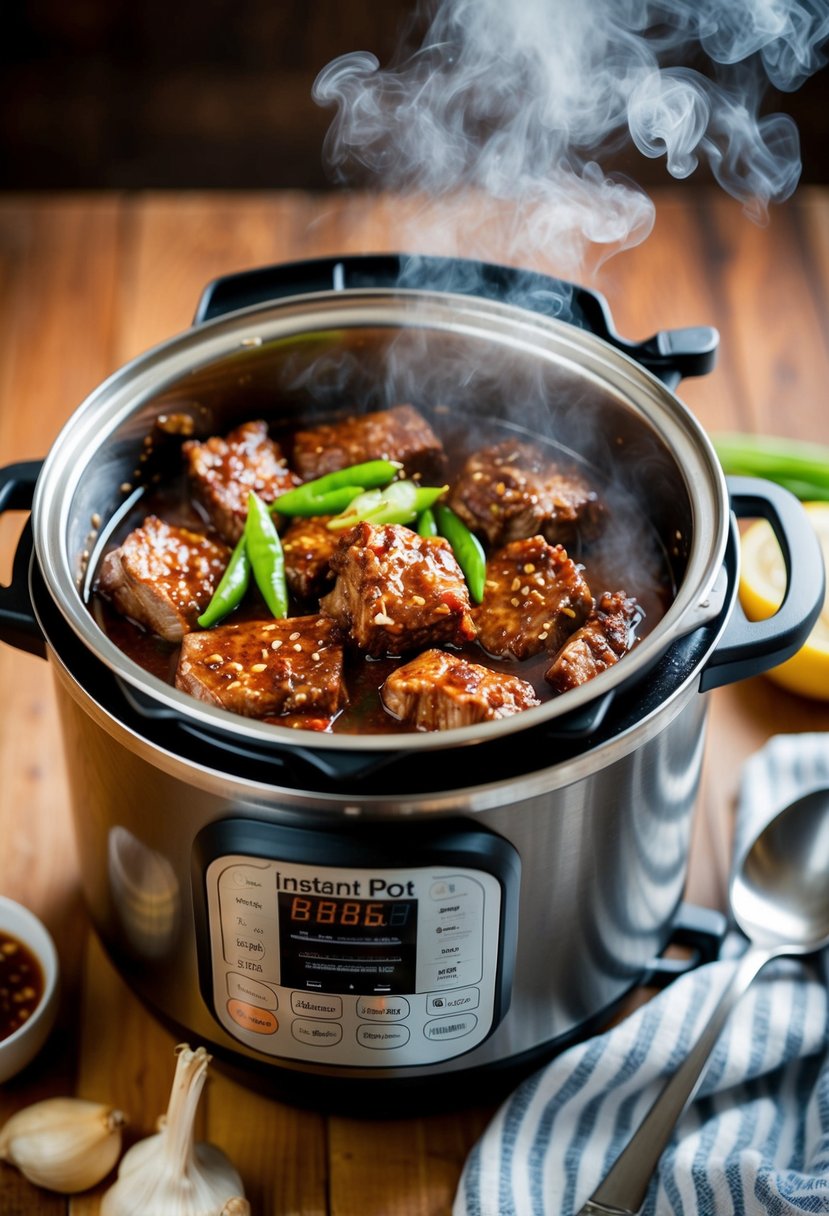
{"points": [[383, 1008], [450, 1028], [319, 1034], [382, 1037], [249, 1017]]}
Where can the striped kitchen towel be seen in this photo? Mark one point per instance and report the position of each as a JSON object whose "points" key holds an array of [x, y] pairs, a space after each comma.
{"points": [[756, 1138]]}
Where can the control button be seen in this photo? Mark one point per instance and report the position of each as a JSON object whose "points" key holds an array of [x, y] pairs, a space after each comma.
{"points": [[384, 1037], [250, 1017], [383, 1008], [314, 1006], [251, 991], [453, 1002], [460, 974], [450, 1028], [319, 1034]]}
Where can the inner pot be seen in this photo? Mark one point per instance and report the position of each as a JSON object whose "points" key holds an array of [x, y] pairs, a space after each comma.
{"points": [[467, 364]]}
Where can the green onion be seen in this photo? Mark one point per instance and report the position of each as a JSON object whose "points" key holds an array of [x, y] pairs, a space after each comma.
{"points": [[399, 503], [801, 467]]}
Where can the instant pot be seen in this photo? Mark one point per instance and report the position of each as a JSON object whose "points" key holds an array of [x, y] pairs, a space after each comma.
{"points": [[350, 917]]}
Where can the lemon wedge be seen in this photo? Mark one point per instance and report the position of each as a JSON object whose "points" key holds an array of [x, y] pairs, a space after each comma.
{"points": [[762, 582]]}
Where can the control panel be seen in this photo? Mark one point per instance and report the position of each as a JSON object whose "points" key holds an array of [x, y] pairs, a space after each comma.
{"points": [[371, 965]]}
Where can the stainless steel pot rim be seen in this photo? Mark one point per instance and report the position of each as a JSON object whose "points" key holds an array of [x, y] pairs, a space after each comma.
{"points": [[142, 379]]}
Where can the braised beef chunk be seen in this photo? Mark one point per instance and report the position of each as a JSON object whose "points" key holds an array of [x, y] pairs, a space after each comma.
{"points": [[266, 668], [397, 591], [400, 434], [308, 546], [163, 577], [440, 691], [604, 637], [224, 471], [512, 490], [534, 598]]}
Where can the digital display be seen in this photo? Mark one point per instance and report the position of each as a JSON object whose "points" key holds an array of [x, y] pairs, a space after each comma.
{"points": [[359, 946]]}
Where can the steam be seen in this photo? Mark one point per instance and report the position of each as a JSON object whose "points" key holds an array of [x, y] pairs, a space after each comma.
{"points": [[518, 100]]}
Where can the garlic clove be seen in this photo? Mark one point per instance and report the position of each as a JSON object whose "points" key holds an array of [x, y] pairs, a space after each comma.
{"points": [[63, 1144], [237, 1206], [169, 1174]]}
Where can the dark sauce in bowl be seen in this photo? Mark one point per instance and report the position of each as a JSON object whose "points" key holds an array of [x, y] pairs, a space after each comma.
{"points": [[21, 984]]}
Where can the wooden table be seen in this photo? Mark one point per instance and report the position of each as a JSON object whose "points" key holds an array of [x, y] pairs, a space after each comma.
{"points": [[88, 282]]}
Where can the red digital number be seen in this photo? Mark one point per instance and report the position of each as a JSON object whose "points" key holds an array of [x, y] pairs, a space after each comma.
{"points": [[326, 912], [374, 915]]}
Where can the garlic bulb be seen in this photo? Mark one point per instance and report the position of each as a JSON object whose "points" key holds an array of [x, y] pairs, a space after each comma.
{"points": [[168, 1174], [63, 1144]]}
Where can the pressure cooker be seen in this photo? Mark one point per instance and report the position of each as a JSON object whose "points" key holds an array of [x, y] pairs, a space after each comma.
{"points": [[475, 898]]}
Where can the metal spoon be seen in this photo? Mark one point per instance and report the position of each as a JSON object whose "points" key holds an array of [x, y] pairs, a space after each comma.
{"points": [[779, 896]]}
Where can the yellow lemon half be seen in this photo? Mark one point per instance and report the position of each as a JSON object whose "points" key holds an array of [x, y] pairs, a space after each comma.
{"points": [[762, 581]]}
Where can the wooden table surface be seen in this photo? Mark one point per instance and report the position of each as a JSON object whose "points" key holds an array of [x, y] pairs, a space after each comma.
{"points": [[86, 283]]}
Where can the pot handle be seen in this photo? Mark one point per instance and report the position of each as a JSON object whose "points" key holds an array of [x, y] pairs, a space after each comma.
{"points": [[18, 624], [702, 931], [670, 355], [748, 648]]}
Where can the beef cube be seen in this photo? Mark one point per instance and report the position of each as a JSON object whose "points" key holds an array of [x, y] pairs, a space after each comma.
{"points": [[512, 491], [308, 547], [397, 591], [224, 471], [163, 577], [400, 434], [439, 691], [266, 668], [605, 636], [534, 598]]}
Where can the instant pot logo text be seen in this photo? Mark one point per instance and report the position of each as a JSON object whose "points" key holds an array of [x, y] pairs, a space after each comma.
{"points": [[373, 888]]}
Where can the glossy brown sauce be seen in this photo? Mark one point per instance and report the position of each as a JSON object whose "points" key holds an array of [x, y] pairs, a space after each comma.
{"points": [[21, 984], [634, 563]]}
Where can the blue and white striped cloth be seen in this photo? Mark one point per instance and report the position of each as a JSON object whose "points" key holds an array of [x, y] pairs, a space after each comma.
{"points": [[756, 1138]]}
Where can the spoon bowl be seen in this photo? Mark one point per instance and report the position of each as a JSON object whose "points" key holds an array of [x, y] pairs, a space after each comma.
{"points": [[780, 890], [779, 897]]}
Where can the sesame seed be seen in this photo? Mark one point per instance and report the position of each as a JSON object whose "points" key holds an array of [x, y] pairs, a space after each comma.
{"points": [[547, 625], [234, 683], [264, 654], [516, 583], [477, 476], [489, 583], [300, 697], [316, 656], [297, 647], [96, 520], [543, 635], [382, 619], [500, 488], [419, 600], [257, 667], [514, 602], [292, 637], [529, 568], [269, 628], [525, 591], [493, 507], [125, 487], [236, 667], [275, 645], [214, 658], [569, 612], [442, 610], [537, 596]]}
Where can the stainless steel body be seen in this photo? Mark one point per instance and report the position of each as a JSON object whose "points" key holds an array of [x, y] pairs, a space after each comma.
{"points": [[603, 841]]}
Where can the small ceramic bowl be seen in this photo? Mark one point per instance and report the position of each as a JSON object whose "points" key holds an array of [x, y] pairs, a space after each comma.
{"points": [[22, 1045]]}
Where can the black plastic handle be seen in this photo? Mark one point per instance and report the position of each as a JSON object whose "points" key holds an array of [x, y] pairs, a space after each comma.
{"points": [[702, 930], [670, 355], [748, 648], [18, 624]]}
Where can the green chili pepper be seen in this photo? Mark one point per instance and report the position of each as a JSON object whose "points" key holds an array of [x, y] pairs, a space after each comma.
{"points": [[426, 525], [468, 550], [399, 503], [231, 589], [267, 560], [317, 497]]}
